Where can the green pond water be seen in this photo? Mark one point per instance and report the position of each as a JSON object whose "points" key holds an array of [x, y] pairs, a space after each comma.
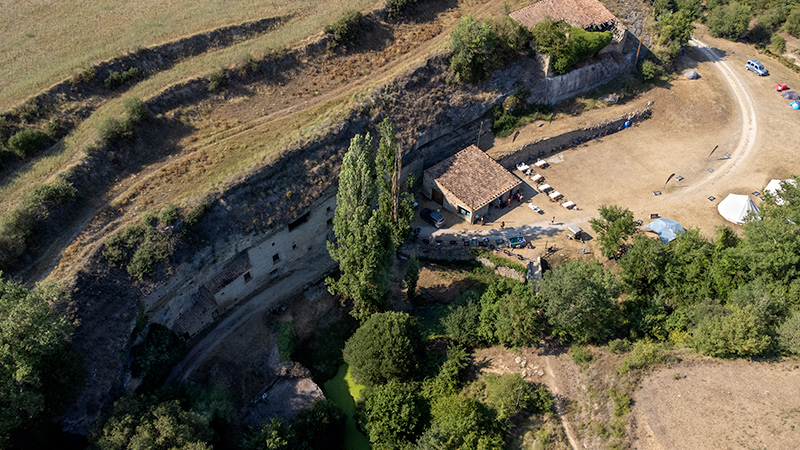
{"points": [[343, 391]]}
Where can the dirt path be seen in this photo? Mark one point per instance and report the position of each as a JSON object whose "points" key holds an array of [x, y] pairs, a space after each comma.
{"points": [[749, 126], [559, 403]]}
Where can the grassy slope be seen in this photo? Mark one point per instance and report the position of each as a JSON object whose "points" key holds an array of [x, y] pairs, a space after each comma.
{"points": [[42, 43], [45, 167]]}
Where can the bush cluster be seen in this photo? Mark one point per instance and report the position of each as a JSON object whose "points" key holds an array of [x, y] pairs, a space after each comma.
{"points": [[567, 46], [139, 247], [116, 79], [344, 30], [22, 229], [396, 8], [28, 142], [478, 48]]}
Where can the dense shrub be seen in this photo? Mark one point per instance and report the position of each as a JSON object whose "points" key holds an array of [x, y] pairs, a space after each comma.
{"points": [[462, 320], [135, 109], [138, 248], [778, 43], [345, 29], [116, 79], [516, 112], [566, 45], [728, 21], [512, 37], [792, 25], [28, 142], [170, 214], [648, 70], [580, 44], [789, 335], [473, 46], [508, 394], [112, 129], [644, 354], [216, 80], [21, 229], [154, 358], [737, 332], [396, 8]]}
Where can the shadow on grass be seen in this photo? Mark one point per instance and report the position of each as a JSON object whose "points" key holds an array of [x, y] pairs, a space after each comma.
{"points": [[342, 391]]}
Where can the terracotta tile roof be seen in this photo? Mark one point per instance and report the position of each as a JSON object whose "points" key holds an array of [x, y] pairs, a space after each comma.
{"points": [[578, 13], [473, 177], [239, 265], [201, 311]]}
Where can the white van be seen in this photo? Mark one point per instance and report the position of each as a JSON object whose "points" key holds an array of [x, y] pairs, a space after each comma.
{"points": [[756, 67]]}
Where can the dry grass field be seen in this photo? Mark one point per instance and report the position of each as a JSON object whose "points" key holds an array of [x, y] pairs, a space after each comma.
{"points": [[44, 42]]}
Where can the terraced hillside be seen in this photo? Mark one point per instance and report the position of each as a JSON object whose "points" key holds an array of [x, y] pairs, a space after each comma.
{"points": [[246, 120]]}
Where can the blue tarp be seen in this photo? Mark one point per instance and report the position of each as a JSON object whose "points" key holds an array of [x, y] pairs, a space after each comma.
{"points": [[666, 229]]}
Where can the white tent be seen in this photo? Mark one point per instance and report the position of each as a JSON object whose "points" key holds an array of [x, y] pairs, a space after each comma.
{"points": [[736, 207], [774, 186]]}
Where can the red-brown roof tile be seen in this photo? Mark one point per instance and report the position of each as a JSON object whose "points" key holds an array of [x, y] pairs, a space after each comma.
{"points": [[473, 177], [578, 13]]}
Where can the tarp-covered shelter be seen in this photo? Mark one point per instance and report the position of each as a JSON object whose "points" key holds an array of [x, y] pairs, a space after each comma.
{"points": [[736, 207], [691, 74], [795, 104], [791, 95], [774, 186], [666, 229], [781, 87]]}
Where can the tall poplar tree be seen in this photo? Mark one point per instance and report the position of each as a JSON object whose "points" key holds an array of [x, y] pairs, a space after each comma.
{"points": [[359, 233], [372, 219], [394, 200]]}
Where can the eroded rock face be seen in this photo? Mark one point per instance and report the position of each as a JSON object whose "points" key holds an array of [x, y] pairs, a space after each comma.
{"points": [[291, 391]]}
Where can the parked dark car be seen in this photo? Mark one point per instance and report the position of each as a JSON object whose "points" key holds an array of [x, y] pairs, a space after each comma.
{"points": [[432, 217]]}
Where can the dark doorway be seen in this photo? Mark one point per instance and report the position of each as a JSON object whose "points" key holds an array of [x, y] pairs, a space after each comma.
{"points": [[437, 196]]}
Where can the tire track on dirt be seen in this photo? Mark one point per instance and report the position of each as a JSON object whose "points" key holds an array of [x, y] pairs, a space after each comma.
{"points": [[747, 140]]}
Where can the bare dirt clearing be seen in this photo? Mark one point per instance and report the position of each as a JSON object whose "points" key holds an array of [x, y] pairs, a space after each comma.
{"points": [[719, 404]]}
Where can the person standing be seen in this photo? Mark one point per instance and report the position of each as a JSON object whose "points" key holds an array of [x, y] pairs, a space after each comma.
{"points": [[553, 220], [502, 225]]}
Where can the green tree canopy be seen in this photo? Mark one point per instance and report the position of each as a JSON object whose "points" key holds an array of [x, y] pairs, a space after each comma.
{"points": [[142, 423], [473, 46], [386, 347], [450, 377], [33, 339], [580, 301], [509, 314], [320, 426], [372, 218], [461, 423], [736, 332], [613, 228], [392, 415], [728, 21], [509, 394]]}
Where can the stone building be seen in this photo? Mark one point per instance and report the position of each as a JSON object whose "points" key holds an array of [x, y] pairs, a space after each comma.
{"points": [[468, 182]]}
